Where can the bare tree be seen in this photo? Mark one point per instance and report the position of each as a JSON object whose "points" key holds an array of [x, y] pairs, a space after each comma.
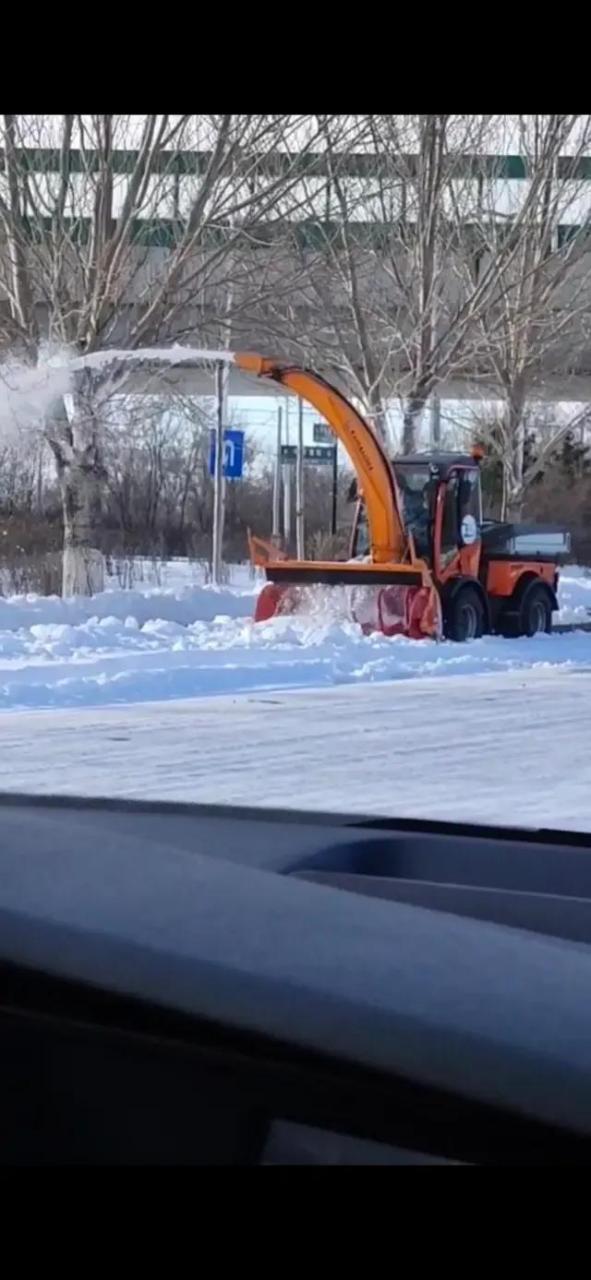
{"points": [[386, 303], [538, 321], [155, 450], [414, 276], [120, 232], [374, 246]]}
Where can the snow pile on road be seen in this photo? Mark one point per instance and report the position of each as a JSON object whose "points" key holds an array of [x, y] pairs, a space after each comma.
{"points": [[106, 660], [172, 591], [182, 598], [574, 595], [198, 604], [195, 641]]}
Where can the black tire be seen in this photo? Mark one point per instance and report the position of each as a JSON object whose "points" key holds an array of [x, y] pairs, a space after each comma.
{"points": [[532, 615], [464, 616]]}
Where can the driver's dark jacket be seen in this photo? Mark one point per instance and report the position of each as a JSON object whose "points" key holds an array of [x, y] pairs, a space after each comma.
{"points": [[418, 520]]}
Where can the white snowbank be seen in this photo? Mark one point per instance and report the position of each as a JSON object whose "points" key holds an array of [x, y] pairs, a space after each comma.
{"points": [[574, 595], [185, 606], [112, 661], [135, 646]]}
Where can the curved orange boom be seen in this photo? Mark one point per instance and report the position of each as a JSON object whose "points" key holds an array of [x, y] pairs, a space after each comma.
{"points": [[393, 564], [375, 477]]}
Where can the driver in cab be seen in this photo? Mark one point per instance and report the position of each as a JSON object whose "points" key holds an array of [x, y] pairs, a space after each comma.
{"points": [[417, 514]]}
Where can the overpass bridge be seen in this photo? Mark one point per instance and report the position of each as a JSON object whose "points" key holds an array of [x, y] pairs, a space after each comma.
{"points": [[154, 238]]}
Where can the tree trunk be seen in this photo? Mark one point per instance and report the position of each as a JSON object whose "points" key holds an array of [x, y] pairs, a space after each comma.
{"points": [[83, 571], [514, 455], [75, 446], [512, 508], [413, 412], [377, 414], [374, 407]]}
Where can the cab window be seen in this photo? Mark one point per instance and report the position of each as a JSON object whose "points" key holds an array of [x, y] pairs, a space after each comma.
{"points": [[417, 488], [470, 495], [450, 528]]}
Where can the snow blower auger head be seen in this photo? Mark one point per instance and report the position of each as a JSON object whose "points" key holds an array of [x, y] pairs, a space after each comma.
{"points": [[391, 589], [393, 599]]}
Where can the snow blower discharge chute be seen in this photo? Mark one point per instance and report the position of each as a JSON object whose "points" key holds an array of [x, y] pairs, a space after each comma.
{"points": [[423, 562]]}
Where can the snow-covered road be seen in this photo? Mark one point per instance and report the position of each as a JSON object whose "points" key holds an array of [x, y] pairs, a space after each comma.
{"points": [[173, 692], [510, 747]]}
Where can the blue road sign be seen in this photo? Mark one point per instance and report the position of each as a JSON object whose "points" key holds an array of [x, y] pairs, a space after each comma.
{"points": [[233, 454]]}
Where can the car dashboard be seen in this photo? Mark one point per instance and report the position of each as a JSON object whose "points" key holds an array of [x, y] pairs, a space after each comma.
{"points": [[201, 985]]}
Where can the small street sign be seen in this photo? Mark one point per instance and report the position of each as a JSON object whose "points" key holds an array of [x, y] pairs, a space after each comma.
{"points": [[320, 455], [233, 454], [323, 434]]}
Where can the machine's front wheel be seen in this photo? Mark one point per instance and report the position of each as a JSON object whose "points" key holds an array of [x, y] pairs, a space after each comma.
{"points": [[464, 616]]}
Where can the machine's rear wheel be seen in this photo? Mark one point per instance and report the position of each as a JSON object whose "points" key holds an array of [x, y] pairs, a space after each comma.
{"points": [[464, 616], [538, 614], [533, 615]]}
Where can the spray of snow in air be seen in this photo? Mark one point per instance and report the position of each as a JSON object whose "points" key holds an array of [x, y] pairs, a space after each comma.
{"points": [[159, 355], [27, 392]]}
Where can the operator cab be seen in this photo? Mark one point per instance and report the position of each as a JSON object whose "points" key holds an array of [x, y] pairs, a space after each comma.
{"points": [[420, 478]]}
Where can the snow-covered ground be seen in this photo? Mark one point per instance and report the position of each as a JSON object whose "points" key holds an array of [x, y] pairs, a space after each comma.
{"points": [[182, 640], [114, 696], [509, 748]]}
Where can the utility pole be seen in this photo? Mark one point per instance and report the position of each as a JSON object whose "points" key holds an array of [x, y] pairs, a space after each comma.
{"points": [[335, 482], [219, 491], [218, 478], [287, 485], [435, 406], [276, 534], [39, 485], [300, 483]]}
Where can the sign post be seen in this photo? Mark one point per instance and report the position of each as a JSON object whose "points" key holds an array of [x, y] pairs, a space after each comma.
{"points": [[300, 483], [277, 480], [226, 462], [335, 481], [218, 479], [287, 482]]}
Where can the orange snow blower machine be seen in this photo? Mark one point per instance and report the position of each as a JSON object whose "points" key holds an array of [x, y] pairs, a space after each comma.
{"points": [[423, 562]]}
